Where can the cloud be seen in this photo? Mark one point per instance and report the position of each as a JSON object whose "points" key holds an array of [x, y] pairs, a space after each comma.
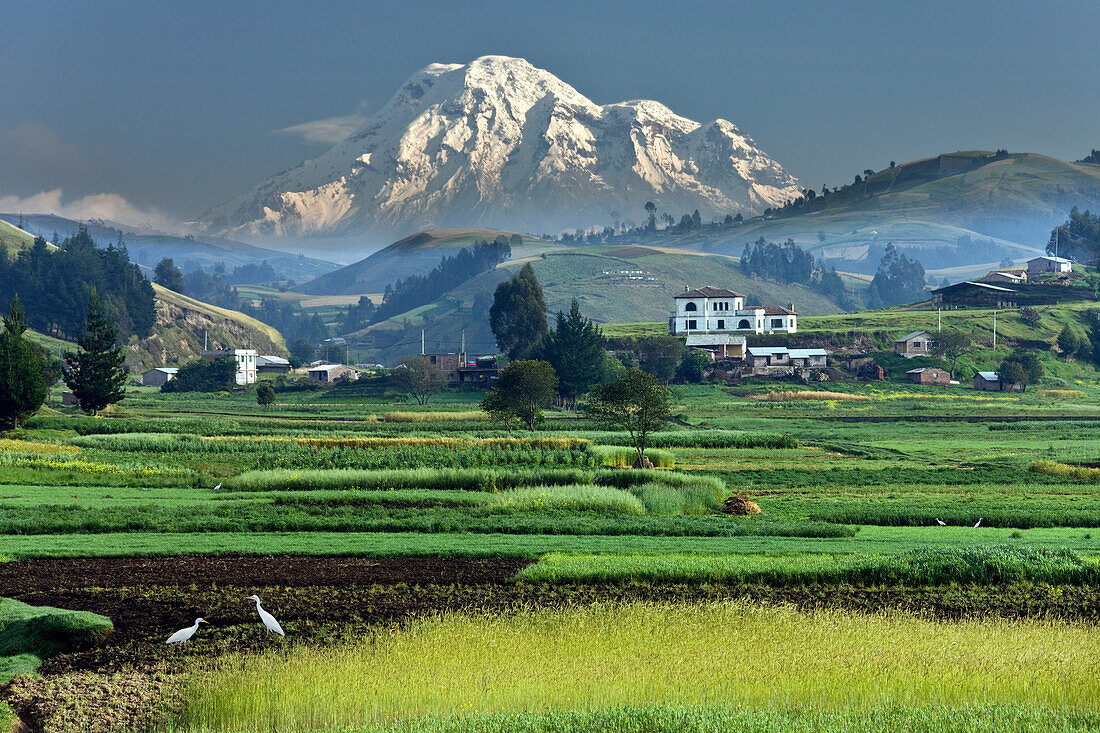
{"points": [[108, 206], [32, 144], [330, 130]]}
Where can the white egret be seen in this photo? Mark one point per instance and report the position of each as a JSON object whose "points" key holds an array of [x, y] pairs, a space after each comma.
{"points": [[978, 523], [267, 618], [941, 522], [217, 487], [185, 634]]}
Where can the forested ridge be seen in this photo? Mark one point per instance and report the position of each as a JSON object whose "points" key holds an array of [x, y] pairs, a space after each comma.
{"points": [[54, 286]]}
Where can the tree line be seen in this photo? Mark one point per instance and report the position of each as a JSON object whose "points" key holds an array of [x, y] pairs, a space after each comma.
{"points": [[417, 290], [54, 286]]}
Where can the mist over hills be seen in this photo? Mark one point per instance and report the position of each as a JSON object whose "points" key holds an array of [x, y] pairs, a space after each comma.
{"points": [[499, 143]]}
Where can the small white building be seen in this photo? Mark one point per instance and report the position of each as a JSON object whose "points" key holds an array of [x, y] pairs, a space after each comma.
{"points": [[1039, 265], [158, 376], [329, 373], [762, 357], [246, 363], [712, 311]]}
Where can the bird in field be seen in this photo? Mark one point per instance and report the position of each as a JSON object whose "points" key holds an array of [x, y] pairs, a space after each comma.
{"points": [[217, 487], [978, 523], [941, 522], [267, 618], [185, 634]]}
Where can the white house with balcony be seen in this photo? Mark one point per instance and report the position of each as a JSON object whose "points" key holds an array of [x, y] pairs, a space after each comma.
{"points": [[717, 319]]}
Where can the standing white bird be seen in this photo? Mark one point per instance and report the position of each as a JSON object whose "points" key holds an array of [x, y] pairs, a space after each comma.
{"points": [[217, 487], [941, 522], [185, 634], [267, 618], [978, 523]]}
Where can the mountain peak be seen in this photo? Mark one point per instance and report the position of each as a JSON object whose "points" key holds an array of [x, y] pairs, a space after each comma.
{"points": [[498, 142]]}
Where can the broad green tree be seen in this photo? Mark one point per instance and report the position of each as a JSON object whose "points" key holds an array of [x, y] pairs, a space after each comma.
{"points": [[951, 346], [1068, 341], [521, 391], [518, 314], [98, 370], [265, 396], [660, 355], [636, 403], [23, 387], [204, 375], [575, 348], [418, 377], [1020, 367]]}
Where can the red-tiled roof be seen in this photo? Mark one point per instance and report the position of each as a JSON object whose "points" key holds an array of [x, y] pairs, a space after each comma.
{"points": [[709, 292], [776, 310]]}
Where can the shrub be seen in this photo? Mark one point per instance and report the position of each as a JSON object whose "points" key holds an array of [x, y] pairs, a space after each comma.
{"points": [[568, 498]]}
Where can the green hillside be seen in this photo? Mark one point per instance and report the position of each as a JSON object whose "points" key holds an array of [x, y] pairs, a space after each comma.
{"points": [[13, 239], [924, 207], [613, 285], [414, 255]]}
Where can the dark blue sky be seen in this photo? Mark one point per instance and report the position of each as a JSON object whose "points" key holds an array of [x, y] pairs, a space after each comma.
{"points": [[174, 106]]}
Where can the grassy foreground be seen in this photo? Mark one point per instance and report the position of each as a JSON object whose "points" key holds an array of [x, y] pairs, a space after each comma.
{"points": [[606, 657]]}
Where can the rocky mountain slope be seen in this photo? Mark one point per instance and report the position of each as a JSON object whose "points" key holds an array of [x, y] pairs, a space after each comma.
{"points": [[499, 143]]}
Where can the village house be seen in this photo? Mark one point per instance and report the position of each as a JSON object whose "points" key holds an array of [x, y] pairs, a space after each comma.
{"points": [[991, 382], [1044, 264], [158, 376], [481, 370], [246, 363], [918, 343], [710, 313], [929, 375], [271, 364], [763, 357], [329, 373]]}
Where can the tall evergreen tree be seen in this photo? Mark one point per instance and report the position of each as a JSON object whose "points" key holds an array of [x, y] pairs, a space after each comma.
{"points": [[518, 314], [98, 370], [167, 275], [22, 386], [575, 348]]}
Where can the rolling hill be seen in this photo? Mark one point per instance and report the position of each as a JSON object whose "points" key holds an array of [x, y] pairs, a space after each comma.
{"points": [[414, 255], [13, 239], [936, 209], [147, 249], [613, 284]]}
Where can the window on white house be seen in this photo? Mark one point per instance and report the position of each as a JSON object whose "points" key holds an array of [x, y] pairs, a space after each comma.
{"points": [[721, 324], [690, 306], [777, 323], [744, 323], [691, 324], [916, 344]]}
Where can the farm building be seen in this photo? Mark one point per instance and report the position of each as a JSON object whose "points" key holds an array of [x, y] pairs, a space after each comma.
{"points": [[246, 362], [329, 373], [271, 364], [977, 294], [991, 382], [929, 375], [479, 370], [1002, 277], [158, 376], [718, 345], [1043, 264], [709, 310], [918, 343], [761, 357]]}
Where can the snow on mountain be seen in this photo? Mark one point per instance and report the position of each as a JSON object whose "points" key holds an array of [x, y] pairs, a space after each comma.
{"points": [[499, 143]]}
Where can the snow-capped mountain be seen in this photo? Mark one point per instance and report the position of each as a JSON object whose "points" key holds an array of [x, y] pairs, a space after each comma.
{"points": [[500, 143]]}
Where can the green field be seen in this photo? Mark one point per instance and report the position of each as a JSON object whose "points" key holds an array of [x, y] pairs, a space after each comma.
{"points": [[531, 538]]}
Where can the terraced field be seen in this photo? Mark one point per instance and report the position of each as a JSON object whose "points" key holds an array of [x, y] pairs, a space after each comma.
{"points": [[373, 530]]}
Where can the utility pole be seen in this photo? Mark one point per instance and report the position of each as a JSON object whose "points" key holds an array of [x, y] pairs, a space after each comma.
{"points": [[464, 347], [422, 342], [204, 335], [994, 330], [939, 320]]}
